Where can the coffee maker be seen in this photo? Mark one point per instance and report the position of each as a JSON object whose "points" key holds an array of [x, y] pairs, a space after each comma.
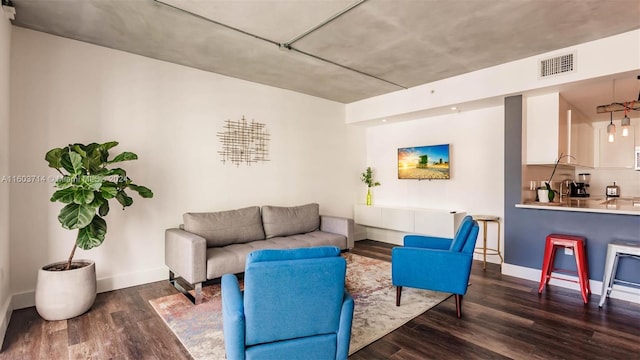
{"points": [[579, 188]]}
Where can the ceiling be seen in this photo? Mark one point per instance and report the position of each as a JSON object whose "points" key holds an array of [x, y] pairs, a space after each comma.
{"points": [[391, 44]]}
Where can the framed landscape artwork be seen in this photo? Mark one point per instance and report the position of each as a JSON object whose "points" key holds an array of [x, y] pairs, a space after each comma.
{"points": [[424, 162]]}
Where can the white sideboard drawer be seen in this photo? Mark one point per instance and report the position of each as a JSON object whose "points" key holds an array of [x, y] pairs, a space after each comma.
{"points": [[368, 215], [398, 219]]}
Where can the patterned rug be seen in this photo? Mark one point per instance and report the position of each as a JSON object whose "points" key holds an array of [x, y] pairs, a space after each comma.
{"points": [[199, 328]]}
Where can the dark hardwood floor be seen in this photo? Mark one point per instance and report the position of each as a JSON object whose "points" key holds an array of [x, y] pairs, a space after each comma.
{"points": [[503, 318]]}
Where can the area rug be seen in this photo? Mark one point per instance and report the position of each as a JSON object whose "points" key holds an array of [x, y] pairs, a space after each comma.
{"points": [[199, 328]]}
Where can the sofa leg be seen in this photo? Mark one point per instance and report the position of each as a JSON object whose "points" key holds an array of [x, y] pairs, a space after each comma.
{"points": [[398, 295], [198, 297], [459, 305], [183, 286]]}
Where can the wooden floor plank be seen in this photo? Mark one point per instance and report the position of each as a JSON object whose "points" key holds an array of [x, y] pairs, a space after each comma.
{"points": [[503, 318]]}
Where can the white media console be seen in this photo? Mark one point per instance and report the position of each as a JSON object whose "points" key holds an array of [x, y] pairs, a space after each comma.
{"points": [[389, 224]]}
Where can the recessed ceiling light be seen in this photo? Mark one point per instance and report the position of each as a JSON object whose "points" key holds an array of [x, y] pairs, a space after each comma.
{"points": [[384, 120], [453, 108]]}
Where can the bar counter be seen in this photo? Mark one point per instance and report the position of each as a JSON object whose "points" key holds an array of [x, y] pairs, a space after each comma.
{"points": [[621, 205]]}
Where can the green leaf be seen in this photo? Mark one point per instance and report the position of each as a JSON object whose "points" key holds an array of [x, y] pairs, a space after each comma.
{"points": [[76, 162], [109, 145], [53, 158], [79, 149], [76, 216], [104, 209], [63, 195], [124, 199], [65, 161], [120, 173], [93, 235], [143, 191], [125, 156], [109, 190], [83, 196], [98, 200], [65, 182]]}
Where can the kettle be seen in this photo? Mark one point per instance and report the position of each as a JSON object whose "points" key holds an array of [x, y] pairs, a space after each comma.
{"points": [[613, 190]]}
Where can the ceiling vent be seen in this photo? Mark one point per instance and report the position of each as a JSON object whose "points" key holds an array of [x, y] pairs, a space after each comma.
{"points": [[557, 65]]}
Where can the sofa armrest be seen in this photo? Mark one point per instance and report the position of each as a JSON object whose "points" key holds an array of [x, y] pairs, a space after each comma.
{"points": [[338, 225], [186, 255]]}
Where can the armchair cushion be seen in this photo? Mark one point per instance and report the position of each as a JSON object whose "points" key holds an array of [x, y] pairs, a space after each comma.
{"points": [[305, 253], [284, 221], [309, 295], [294, 306]]}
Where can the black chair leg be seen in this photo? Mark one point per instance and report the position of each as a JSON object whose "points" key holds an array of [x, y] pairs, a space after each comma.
{"points": [[459, 305], [398, 295]]}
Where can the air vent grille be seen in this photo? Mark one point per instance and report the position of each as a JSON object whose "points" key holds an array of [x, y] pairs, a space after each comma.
{"points": [[557, 65]]}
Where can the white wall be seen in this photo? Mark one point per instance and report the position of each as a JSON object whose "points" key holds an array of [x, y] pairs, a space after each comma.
{"points": [[66, 91], [476, 157], [5, 293]]}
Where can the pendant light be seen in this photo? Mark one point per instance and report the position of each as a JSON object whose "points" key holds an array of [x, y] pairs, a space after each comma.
{"points": [[611, 129], [626, 122]]}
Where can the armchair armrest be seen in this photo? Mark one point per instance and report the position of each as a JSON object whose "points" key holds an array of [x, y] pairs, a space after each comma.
{"points": [[338, 225], [344, 332], [439, 270], [186, 255], [233, 317], [427, 242]]}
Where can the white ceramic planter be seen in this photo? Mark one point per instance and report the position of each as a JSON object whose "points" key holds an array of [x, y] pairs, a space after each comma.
{"points": [[66, 294], [543, 195]]}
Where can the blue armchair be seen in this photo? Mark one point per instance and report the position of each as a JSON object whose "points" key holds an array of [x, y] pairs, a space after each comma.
{"points": [[434, 263], [294, 306]]}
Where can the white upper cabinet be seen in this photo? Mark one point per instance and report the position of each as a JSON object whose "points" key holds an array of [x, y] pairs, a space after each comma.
{"points": [[580, 139], [553, 128]]}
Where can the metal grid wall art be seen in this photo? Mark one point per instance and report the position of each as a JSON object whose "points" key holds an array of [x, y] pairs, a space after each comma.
{"points": [[244, 142]]}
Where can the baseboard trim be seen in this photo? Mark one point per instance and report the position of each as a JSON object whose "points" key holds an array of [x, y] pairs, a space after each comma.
{"points": [[626, 293], [5, 311], [120, 281]]}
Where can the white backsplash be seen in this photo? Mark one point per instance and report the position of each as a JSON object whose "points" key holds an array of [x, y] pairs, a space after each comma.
{"points": [[627, 179]]}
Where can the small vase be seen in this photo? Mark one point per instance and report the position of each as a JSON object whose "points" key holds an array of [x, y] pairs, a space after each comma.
{"points": [[369, 197], [543, 195]]}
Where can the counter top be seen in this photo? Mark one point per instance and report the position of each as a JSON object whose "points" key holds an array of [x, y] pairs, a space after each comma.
{"points": [[623, 206]]}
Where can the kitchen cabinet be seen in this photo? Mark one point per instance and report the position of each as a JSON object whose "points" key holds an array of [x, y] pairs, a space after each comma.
{"points": [[546, 128], [554, 128], [618, 154], [581, 144]]}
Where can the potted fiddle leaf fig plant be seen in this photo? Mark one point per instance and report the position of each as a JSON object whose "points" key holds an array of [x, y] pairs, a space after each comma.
{"points": [[87, 182]]}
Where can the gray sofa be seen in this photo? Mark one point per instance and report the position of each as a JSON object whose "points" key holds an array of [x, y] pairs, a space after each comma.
{"points": [[209, 245]]}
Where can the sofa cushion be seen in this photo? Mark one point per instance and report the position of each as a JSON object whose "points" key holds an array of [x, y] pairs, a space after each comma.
{"points": [[283, 221], [226, 227]]}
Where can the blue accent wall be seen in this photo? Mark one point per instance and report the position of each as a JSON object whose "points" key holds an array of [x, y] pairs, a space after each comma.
{"points": [[525, 230]]}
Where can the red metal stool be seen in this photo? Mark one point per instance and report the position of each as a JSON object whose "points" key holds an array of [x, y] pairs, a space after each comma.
{"points": [[577, 243]]}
